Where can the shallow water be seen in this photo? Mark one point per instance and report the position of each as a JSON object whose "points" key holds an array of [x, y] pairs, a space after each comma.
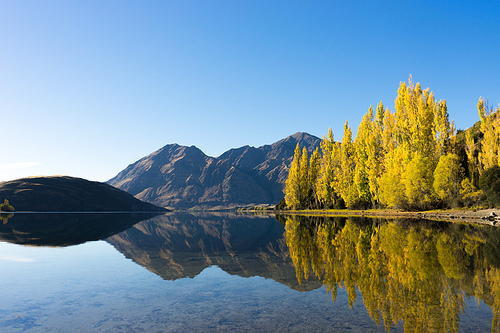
{"points": [[184, 273]]}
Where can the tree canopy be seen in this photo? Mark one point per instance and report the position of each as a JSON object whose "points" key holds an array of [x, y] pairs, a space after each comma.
{"points": [[411, 158]]}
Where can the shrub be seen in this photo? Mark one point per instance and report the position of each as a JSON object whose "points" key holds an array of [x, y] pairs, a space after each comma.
{"points": [[470, 195], [6, 207], [281, 205]]}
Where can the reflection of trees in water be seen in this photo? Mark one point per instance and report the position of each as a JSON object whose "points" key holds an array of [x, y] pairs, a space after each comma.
{"points": [[5, 217], [416, 273]]}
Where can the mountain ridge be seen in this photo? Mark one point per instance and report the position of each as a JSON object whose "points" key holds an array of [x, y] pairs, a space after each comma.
{"points": [[183, 177]]}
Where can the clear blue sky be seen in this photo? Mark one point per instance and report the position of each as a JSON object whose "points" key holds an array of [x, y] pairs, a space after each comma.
{"points": [[88, 87]]}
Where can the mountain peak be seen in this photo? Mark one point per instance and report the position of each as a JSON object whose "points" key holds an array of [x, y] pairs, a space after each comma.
{"points": [[300, 135], [184, 177], [303, 138]]}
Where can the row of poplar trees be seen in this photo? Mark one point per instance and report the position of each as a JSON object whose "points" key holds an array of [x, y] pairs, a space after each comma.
{"points": [[411, 158]]}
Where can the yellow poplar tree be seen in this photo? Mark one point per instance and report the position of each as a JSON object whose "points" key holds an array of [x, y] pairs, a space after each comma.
{"points": [[375, 152], [393, 158], [329, 167], [392, 189], [389, 137], [488, 156], [323, 186], [448, 177], [444, 130], [422, 133], [362, 150], [344, 179], [415, 119], [314, 170], [292, 184], [472, 161], [305, 187]]}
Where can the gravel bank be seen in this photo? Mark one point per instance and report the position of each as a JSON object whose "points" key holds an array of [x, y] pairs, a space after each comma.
{"points": [[479, 216]]}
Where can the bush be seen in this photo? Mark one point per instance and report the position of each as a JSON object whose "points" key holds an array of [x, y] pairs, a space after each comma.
{"points": [[470, 195], [6, 207], [489, 183], [281, 205]]}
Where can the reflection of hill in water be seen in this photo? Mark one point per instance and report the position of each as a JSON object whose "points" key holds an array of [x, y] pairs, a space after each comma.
{"points": [[64, 229], [175, 246]]}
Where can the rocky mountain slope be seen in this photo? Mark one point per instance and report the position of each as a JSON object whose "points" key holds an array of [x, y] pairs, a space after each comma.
{"points": [[184, 177], [68, 194]]}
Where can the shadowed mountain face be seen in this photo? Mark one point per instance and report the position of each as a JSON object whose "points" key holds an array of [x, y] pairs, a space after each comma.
{"points": [[68, 194], [184, 177], [176, 246]]}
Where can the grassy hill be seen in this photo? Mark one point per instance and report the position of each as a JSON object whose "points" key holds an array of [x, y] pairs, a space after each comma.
{"points": [[68, 194]]}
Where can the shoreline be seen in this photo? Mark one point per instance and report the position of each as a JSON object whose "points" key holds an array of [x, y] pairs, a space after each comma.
{"points": [[477, 216]]}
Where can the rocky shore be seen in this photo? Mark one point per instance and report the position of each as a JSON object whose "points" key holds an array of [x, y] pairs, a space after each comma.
{"points": [[479, 216]]}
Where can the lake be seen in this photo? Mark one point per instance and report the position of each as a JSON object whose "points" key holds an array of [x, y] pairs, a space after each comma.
{"points": [[217, 272]]}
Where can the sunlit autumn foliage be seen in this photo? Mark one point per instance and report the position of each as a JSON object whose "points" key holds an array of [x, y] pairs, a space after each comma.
{"points": [[411, 158]]}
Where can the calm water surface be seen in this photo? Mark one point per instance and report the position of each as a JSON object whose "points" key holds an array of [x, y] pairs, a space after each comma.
{"points": [[229, 272]]}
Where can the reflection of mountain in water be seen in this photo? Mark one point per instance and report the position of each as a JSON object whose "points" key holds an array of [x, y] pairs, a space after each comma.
{"points": [[182, 245], [63, 229]]}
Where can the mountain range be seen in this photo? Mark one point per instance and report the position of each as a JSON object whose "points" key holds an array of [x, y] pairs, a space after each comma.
{"points": [[182, 177]]}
